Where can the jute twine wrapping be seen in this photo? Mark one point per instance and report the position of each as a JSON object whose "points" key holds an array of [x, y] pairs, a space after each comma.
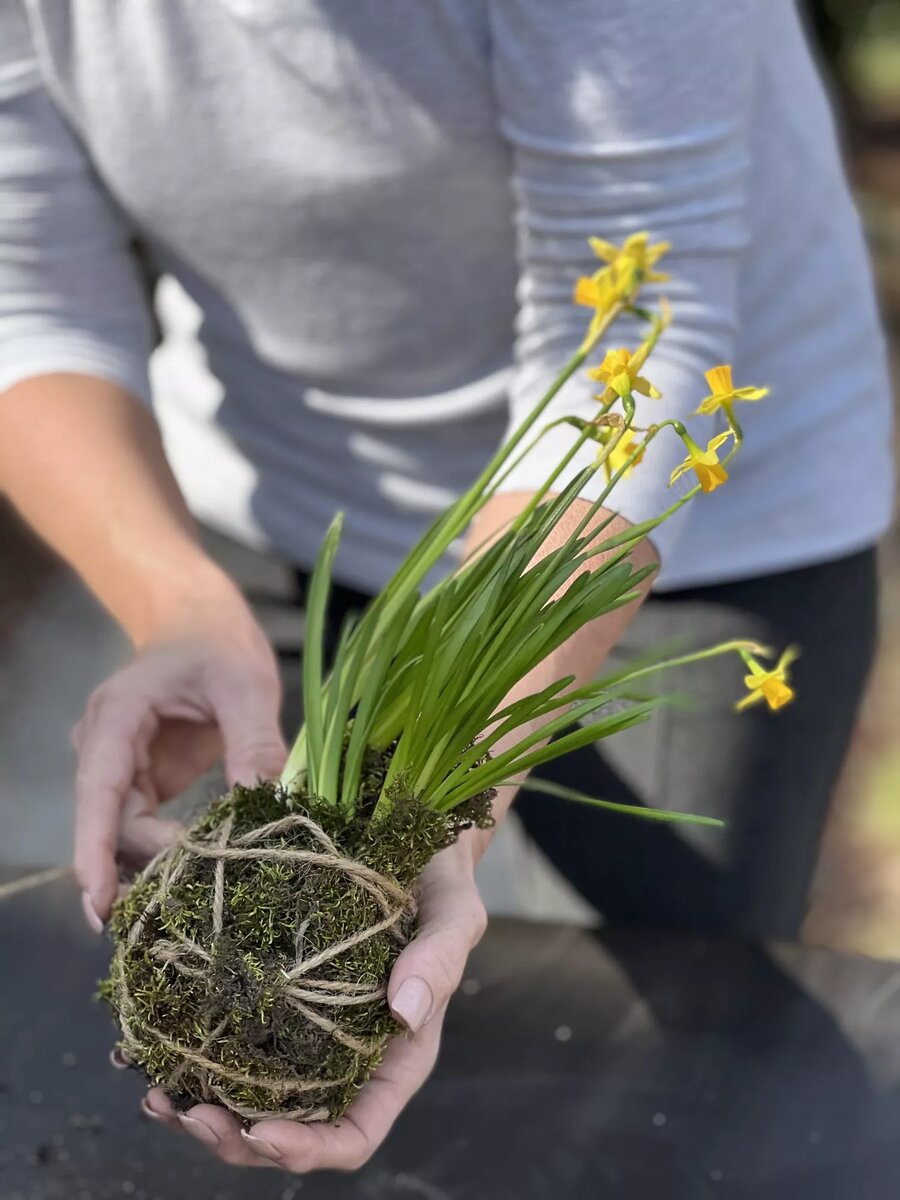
{"points": [[298, 985]]}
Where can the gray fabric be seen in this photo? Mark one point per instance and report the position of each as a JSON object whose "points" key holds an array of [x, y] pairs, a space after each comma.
{"points": [[355, 203], [769, 776]]}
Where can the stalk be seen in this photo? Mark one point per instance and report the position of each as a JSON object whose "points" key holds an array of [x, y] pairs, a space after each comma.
{"points": [[422, 680]]}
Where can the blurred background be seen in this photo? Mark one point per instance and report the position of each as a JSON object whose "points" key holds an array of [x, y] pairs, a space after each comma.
{"points": [[55, 644]]}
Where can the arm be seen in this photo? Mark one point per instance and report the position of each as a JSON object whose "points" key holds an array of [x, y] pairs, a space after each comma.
{"points": [[83, 463], [584, 653], [636, 117], [203, 681], [81, 459]]}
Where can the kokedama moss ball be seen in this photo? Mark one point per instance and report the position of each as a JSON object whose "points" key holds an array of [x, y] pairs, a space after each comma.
{"points": [[252, 959]]}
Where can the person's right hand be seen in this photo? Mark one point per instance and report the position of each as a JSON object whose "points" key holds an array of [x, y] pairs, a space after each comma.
{"points": [[202, 688]]}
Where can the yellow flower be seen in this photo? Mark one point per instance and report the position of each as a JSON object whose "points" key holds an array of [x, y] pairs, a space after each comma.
{"points": [[621, 453], [629, 265], [619, 372], [634, 257], [600, 293], [595, 291], [705, 463], [724, 393], [770, 687]]}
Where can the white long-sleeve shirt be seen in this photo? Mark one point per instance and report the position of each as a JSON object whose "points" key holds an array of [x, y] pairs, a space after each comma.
{"points": [[369, 216]]}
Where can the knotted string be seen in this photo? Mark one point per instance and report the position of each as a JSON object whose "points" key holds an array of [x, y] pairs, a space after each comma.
{"points": [[305, 991]]}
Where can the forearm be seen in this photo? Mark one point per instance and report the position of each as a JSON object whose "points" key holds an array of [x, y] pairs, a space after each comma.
{"points": [[583, 654], [83, 462]]}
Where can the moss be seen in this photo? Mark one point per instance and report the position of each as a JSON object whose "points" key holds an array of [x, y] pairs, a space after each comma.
{"points": [[271, 908]]}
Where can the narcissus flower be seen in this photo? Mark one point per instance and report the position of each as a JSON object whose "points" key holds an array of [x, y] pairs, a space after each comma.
{"points": [[770, 687], [619, 372], [704, 463], [595, 291], [723, 393], [601, 293], [621, 452], [634, 256], [628, 266]]}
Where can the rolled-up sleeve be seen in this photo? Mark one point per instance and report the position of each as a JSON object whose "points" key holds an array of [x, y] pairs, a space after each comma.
{"points": [[71, 297], [623, 117]]}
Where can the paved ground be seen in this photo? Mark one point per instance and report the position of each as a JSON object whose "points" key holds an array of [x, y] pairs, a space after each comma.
{"points": [[576, 1066]]}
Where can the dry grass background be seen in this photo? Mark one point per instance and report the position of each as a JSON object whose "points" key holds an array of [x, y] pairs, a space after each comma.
{"points": [[857, 895]]}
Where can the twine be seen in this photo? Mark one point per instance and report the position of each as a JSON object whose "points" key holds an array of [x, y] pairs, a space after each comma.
{"points": [[299, 985], [37, 879]]}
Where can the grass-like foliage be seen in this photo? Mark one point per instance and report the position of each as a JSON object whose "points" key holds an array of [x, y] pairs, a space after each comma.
{"points": [[425, 676], [252, 957]]}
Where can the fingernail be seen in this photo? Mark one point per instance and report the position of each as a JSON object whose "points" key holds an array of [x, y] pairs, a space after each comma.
{"points": [[118, 1060], [90, 913], [412, 1004], [258, 1146], [197, 1129], [150, 1112]]}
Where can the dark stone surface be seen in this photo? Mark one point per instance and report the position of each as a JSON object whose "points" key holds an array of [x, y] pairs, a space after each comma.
{"points": [[575, 1065]]}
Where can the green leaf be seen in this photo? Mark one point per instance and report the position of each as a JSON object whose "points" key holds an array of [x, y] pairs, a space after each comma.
{"points": [[373, 684], [514, 762], [316, 607], [340, 694], [551, 788]]}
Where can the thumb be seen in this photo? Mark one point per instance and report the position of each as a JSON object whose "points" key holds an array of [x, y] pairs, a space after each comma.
{"points": [[431, 967], [248, 721], [143, 834]]}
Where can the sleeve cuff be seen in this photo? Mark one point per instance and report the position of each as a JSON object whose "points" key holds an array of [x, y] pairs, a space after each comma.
{"points": [[29, 358]]}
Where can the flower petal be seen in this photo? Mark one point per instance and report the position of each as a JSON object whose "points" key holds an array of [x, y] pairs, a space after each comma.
{"points": [[710, 476], [621, 384], [719, 379], [586, 292], [604, 250], [790, 655], [777, 694], [645, 387], [679, 471], [708, 405], [751, 393]]}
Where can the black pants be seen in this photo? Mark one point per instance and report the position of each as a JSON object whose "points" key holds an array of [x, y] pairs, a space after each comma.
{"points": [[769, 776]]}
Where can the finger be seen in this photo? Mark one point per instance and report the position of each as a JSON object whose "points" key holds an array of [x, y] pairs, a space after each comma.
{"points": [[431, 967], [142, 833], [248, 719], [113, 740], [158, 1107], [348, 1143], [181, 752], [220, 1132]]}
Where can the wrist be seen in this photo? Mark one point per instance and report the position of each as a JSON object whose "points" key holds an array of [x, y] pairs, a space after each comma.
{"points": [[189, 595]]}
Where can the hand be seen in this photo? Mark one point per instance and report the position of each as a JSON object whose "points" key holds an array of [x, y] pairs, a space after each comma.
{"points": [[452, 920], [204, 685]]}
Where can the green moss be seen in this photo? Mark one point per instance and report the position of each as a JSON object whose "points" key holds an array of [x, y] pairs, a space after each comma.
{"points": [[270, 910]]}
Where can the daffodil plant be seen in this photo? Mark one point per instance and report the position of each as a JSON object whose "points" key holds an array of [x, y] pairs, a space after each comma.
{"points": [[422, 678], [253, 955]]}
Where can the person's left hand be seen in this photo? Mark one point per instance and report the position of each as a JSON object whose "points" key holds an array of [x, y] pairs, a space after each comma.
{"points": [[451, 921]]}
